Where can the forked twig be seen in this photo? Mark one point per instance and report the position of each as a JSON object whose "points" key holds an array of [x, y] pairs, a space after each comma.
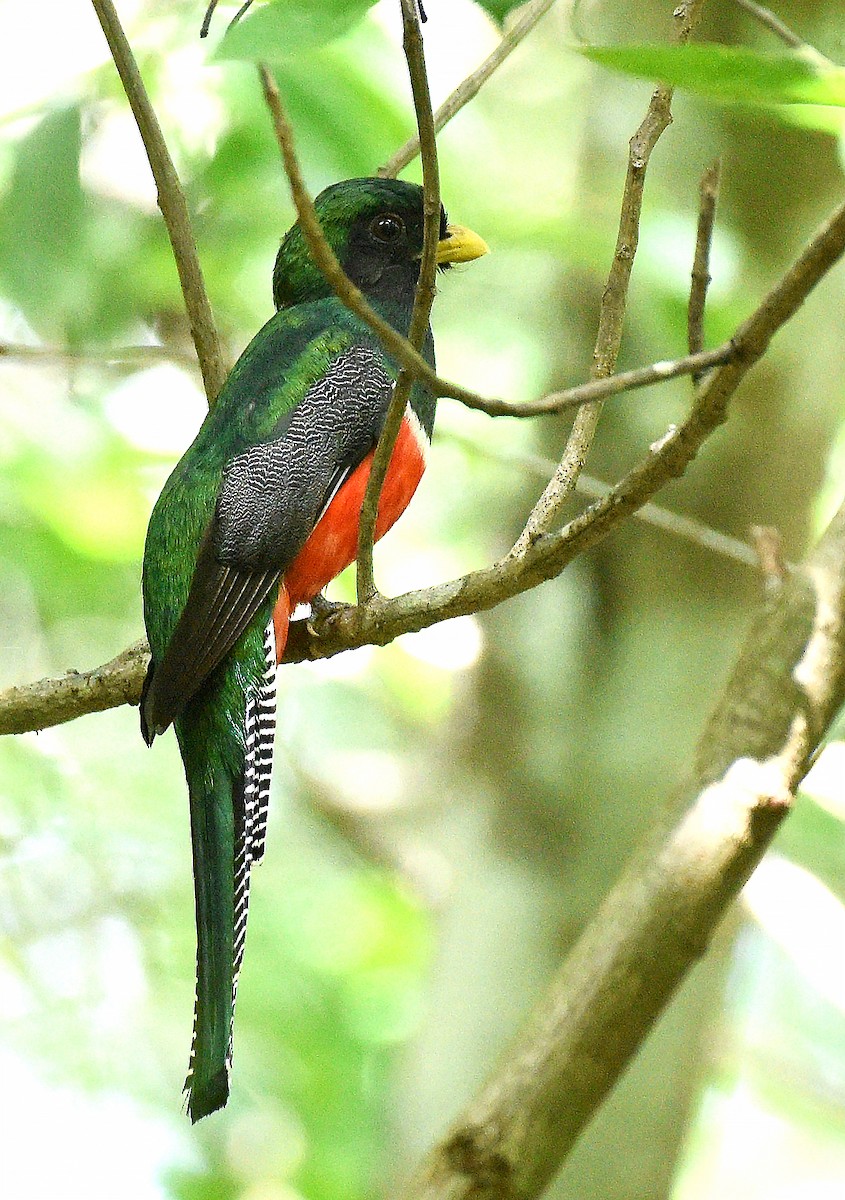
{"points": [[402, 350], [614, 300]]}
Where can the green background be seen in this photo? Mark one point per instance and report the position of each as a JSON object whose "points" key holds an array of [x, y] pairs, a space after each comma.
{"points": [[448, 811]]}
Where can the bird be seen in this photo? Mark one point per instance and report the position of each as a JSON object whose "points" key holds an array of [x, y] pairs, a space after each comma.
{"points": [[258, 516]]}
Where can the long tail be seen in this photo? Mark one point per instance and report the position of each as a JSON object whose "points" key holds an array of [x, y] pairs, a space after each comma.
{"points": [[228, 829]]}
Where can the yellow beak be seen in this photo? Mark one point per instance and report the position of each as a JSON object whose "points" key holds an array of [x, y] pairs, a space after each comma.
{"points": [[460, 245]]}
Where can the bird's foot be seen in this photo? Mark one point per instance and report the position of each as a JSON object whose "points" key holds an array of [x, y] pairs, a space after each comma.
{"points": [[323, 612]]}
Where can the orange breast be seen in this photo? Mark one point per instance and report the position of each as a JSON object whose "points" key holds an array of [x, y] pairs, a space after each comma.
{"points": [[333, 544]]}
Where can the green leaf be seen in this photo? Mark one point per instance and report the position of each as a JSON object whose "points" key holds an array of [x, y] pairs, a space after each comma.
{"points": [[288, 27], [41, 219], [499, 9], [731, 74]]}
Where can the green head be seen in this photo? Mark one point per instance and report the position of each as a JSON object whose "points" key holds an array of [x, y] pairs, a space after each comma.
{"points": [[375, 227]]}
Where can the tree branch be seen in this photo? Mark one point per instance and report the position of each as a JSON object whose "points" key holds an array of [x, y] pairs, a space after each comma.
{"points": [[771, 22], [380, 621], [401, 349], [527, 17], [708, 193], [678, 524], [34, 706], [323, 255], [105, 356], [555, 402], [613, 303], [659, 918], [412, 43], [171, 201]]}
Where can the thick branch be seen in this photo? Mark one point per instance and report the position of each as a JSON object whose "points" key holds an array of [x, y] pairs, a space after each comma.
{"points": [[658, 920], [171, 201], [47, 702]]}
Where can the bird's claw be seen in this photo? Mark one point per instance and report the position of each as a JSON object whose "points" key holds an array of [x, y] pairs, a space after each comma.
{"points": [[323, 611]]}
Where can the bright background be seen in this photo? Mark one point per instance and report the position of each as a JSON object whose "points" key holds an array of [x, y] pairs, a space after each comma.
{"points": [[447, 811]]}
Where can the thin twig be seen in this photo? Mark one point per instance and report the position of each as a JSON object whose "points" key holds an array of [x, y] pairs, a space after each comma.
{"points": [[171, 201], [678, 524], [116, 356], [401, 349], [555, 402], [612, 385], [767, 18], [423, 299], [206, 21], [527, 18], [321, 252], [708, 198], [614, 300], [33, 706], [579, 394], [209, 13]]}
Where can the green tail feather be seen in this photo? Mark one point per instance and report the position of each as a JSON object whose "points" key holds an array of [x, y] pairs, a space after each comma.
{"points": [[228, 784], [213, 800]]}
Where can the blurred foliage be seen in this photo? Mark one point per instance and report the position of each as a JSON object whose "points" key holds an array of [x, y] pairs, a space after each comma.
{"points": [[288, 28], [448, 811], [731, 74], [499, 9]]}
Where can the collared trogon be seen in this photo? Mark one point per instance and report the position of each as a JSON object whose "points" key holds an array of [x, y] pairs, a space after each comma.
{"points": [[258, 516]]}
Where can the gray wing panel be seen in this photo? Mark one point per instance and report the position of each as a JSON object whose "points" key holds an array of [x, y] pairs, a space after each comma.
{"points": [[270, 499], [272, 495]]}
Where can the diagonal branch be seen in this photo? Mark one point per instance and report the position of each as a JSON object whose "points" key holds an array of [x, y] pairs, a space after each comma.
{"points": [[772, 22], [658, 920], [527, 18], [678, 524], [171, 201], [323, 255]]}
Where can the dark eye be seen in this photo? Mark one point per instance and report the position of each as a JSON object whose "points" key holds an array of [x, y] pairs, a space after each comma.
{"points": [[387, 228]]}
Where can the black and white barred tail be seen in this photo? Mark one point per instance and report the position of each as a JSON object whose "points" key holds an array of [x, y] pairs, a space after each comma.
{"points": [[259, 730], [208, 1074]]}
